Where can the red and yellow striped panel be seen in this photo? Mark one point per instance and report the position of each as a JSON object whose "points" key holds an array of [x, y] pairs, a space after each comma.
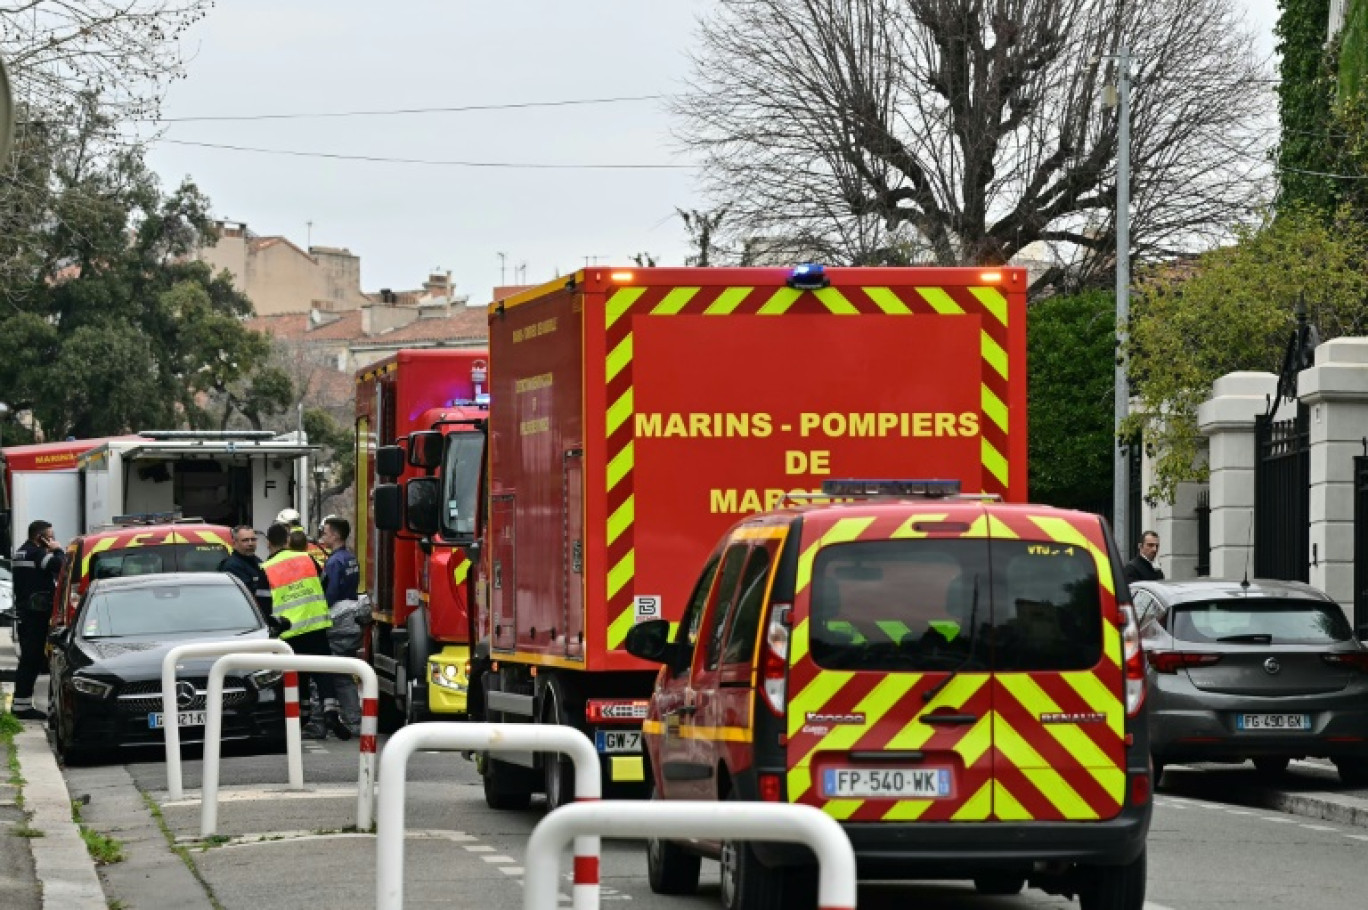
{"points": [[986, 302]]}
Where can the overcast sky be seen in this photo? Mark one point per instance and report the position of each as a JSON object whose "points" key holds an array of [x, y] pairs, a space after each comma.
{"points": [[404, 219]]}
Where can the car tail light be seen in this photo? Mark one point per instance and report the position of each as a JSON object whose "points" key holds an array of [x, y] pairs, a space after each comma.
{"points": [[1173, 661], [1134, 661], [769, 788], [1357, 660], [774, 663], [616, 711], [1139, 789]]}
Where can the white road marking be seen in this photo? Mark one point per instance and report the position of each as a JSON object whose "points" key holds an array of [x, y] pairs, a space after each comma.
{"points": [[1357, 836], [1319, 828], [499, 859], [1239, 812], [1280, 821], [479, 848], [1153, 906], [511, 870]]}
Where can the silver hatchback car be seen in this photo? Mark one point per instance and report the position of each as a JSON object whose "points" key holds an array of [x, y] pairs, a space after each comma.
{"points": [[1264, 670]]}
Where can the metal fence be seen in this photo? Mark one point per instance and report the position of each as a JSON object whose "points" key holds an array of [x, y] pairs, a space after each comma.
{"points": [[1282, 497]]}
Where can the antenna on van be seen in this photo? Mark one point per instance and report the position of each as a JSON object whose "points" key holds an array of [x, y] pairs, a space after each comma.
{"points": [[1249, 551]]}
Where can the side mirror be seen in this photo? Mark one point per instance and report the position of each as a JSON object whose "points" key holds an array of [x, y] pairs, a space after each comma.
{"points": [[389, 507], [389, 461], [422, 505], [650, 640], [425, 449]]}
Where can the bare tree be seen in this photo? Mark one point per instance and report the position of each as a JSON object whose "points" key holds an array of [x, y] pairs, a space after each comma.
{"points": [[964, 131]]}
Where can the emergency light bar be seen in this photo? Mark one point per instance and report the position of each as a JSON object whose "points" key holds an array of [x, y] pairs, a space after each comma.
{"points": [[808, 277], [146, 518], [929, 489]]}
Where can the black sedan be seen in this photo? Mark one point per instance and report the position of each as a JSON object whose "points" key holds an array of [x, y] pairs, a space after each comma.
{"points": [[106, 669], [1266, 671]]}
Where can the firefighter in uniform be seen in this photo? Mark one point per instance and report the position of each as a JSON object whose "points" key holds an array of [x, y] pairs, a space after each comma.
{"points": [[290, 518], [297, 596], [36, 565]]}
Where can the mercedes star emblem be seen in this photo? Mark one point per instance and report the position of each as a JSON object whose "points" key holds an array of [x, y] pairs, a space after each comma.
{"points": [[1271, 666], [185, 694]]}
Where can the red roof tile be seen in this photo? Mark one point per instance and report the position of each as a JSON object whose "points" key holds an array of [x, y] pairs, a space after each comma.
{"points": [[472, 323]]}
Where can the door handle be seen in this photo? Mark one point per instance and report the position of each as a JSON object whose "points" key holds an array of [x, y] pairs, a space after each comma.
{"points": [[685, 711], [948, 720]]}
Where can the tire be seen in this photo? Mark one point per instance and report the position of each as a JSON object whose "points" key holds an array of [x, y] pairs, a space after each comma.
{"points": [[1353, 772], [1271, 767], [557, 770], [503, 786], [1158, 771], [669, 868], [414, 712], [389, 718], [1001, 885], [748, 884], [1114, 887]]}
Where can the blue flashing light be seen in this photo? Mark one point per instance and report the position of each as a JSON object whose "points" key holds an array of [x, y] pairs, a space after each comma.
{"points": [[808, 277], [928, 489]]}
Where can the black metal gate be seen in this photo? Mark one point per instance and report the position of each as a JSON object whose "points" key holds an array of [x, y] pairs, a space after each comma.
{"points": [[1282, 497], [1136, 497], [1360, 540]]}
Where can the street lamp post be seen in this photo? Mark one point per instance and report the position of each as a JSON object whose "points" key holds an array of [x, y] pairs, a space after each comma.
{"points": [[319, 474], [1121, 453]]}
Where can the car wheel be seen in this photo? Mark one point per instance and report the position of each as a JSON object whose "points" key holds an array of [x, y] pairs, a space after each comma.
{"points": [[669, 868], [1270, 766], [1003, 885], [1114, 887], [1353, 772], [747, 883]]}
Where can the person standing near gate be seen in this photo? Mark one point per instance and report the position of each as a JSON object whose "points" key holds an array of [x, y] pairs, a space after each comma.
{"points": [[297, 595], [35, 568], [1142, 567], [341, 574]]}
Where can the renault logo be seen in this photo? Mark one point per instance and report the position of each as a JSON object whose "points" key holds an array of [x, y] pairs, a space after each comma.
{"points": [[1271, 666], [185, 694]]}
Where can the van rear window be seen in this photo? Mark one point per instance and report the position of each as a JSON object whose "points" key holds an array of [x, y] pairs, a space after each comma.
{"points": [[155, 560], [944, 604]]}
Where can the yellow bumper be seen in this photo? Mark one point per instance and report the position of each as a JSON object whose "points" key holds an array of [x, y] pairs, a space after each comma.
{"points": [[447, 683]]}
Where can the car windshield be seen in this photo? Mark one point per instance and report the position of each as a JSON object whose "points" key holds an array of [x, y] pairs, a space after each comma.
{"points": [[170, 609], [156, 560], [1261, 621]]}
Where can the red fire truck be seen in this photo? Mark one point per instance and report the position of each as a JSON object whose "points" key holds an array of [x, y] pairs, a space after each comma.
{"points": [[638, 413], [419, 411]]}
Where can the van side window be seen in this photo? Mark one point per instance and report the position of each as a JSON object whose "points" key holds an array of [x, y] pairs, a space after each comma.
{"points": [[732, 562], [693, 613], [743, 624]]}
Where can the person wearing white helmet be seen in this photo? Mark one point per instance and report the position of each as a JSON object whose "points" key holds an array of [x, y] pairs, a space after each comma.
{"points": [[292, 520], [288, 517]]}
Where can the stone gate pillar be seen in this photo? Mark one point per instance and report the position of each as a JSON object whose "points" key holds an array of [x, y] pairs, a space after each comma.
{"points": [[1227, 420]]}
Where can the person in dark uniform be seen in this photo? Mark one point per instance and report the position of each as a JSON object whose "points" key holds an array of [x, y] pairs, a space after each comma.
{"points": [[35, 568], [244, 564], [1142, 567]]}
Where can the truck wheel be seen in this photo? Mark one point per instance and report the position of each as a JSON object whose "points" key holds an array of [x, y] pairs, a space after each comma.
{"points": [[747, 883], [415, 704], [505, 786], [558, 770], [1114, 887]]}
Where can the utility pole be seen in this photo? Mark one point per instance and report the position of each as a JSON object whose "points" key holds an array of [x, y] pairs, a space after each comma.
{"points": [[503, 260], [1121, 458]]}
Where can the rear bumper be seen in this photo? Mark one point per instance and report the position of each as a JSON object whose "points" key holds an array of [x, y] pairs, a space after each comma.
{"points": [[1189, 726]]}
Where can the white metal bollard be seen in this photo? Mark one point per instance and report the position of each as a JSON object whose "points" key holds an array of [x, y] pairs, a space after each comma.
{"points": [[170, 721], [389, 822], [294, 757], [836, 882], [309, 663]]}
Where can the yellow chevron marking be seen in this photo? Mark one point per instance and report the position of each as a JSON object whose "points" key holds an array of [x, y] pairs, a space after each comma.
{"points": [[1112, 781], [814, 695], [846, 529], [621, 519], [941, 302], [977, 741], [1098, 697], [799, 782], [727, 301], [620, 303], [993, 353], [993, 407], [993, 302], [836, 302], [620, 574], [888, 301], [780, 301], [1061, 531], [674, 301], [977, 807], [1006, 807], [652, 727], [798, 642], [1037, 701], [908, 530], [907, 810], [1111, 643], [962, 688], [842, 809], [880, 700], [1027, 760], [763, 532], [894, 629], [619, 412], [993, 460], [619, 358], [461, 572], [99, 547], [621, 464], [212, 537]]}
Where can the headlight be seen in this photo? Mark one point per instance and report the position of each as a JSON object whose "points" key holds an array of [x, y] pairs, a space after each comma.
{"points": [[264, 679], [448, 676], [88, 686]]}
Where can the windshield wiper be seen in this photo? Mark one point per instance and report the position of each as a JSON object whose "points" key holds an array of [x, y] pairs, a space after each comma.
{"points": [[973, 643], [1256, 638]]}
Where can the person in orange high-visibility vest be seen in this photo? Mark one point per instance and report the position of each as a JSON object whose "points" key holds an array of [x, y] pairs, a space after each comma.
{"points": [[297, 595]]}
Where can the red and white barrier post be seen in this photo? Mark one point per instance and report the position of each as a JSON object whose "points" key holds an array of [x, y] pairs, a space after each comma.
{"points": [[170, 710], [294, 754], [836, 882], [389, 822], [213, 731]]}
